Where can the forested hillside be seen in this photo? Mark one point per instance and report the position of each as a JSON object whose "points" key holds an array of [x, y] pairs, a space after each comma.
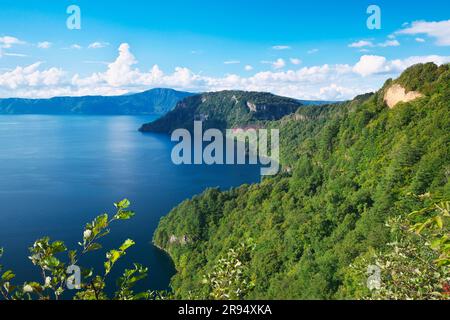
{"points": [[224, 110], [348, 168]]}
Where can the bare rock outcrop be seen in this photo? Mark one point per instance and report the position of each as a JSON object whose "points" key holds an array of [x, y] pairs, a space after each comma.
{"points": [[183, 240], [396, 94]]}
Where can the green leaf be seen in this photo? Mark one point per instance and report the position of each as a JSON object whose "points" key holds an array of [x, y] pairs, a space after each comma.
{"points": [[8, 276], [128, 243], [51, 262], [101, 222], [94, 247], [124, 204], [439, 222], [124, 215], [58, 247]]}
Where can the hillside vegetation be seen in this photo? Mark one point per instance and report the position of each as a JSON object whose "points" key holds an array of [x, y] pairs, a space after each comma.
{"points": [[352, 167], [224, 110]]}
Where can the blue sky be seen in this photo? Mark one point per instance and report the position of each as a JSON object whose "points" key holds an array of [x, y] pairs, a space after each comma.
{"points": [[305, 49]]}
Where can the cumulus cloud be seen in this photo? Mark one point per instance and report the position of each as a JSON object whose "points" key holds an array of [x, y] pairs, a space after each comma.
{"points": [[312, 51], [321, 82], [440, 30], [295, 61], [371, 64], [248, 68], [30, 76]]}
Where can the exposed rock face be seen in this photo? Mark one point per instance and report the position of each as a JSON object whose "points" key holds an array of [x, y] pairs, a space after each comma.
{"points": [[183, 240], [397, 93], [173, 239], [224, 110], [252, 107], [300, 117]]}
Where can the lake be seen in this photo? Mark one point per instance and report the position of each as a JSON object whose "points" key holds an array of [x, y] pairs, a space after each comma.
{"points": [[59, 172]]}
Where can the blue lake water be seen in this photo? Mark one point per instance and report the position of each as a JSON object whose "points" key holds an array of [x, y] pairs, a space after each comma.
{"points": [[58, 172]]}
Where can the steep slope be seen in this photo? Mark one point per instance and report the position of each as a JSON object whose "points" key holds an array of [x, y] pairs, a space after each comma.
{"points": [[352, 166], [155, 101], [225, 109]]}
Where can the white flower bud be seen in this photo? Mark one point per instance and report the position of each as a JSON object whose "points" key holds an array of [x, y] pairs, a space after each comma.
{"points": [[87, 234], [27, 288], [48, 281]]}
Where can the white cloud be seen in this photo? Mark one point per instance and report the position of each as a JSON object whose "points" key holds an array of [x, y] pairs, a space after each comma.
{"points": [[370, 44], [421, 40], [295, 61], [7, 42], [371, 64], [360, 44], [76, 47], [98, 45], [323, 82], [44, 45], [335, 92], [440, 30], [121, 71], [277, 64], [281, 47], [30, 76], [389, 43], [248, 68], [399, 65], [232, 62]]}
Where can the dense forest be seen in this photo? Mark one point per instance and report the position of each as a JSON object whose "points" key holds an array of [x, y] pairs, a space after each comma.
{"points": [[349, 170], [224, 110]]}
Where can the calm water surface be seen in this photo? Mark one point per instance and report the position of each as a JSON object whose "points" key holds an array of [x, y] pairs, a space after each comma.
{"points": [[59, 172]]}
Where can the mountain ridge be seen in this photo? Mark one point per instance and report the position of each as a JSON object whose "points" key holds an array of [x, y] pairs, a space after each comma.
{"points": [[155, 101], [224, 109]]}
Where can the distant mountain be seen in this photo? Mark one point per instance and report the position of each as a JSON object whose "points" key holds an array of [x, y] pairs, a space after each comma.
{"points": [[154, 101], [225, 109]]}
